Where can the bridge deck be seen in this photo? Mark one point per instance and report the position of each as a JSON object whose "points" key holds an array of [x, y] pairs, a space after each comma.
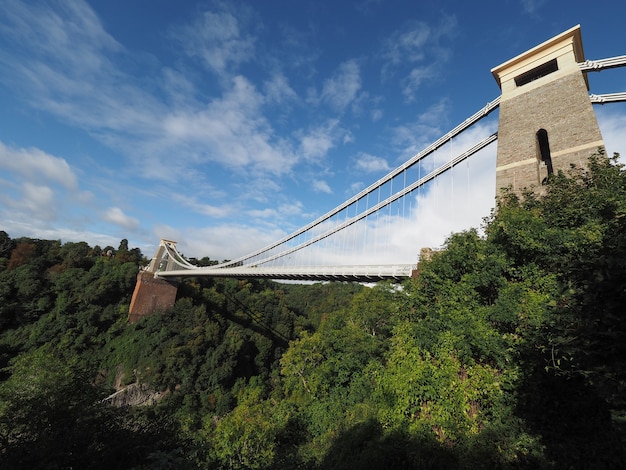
{"points": [[359, 273]]}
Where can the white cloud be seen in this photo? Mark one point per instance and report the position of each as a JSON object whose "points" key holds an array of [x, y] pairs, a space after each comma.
{"points": [[412, 82], [219, 242], [37, 165], [411, 137], [38, 201], [19, 228], [321, 186], [612, 122], [65, 64], [277, 89], [416, 42], [35, 210], [40, 196], [36, 189], [202, 208], [370, 163], [291, 209], [116, 216], [81, 79], [407, 45], [355, 188], [376, 115], [316, 142], [71, 34], [230, 131], [531, 6], [277, 214], [341, 89], [455, 201], [178, 87], [218, 39], [267, 213], [261, 190]]}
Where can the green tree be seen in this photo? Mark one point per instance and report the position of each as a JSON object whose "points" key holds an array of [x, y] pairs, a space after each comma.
{"points": [[52, 417], [577, 231]]}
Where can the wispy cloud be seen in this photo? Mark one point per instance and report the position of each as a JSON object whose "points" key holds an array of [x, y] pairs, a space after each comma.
{"points": [[354, 188], [116, 216], [316, 142], [279, 213], [37, 165], [37, 187], [226, 241], [409, 138], [407, 45], [62, 62], [416, 53], [413, 81], [612, 122], [342, 88], [39, 201], [68, 34], [203, 208], [219, 38], [260, 190], [457, 200], [277, 89], [321, 186], [41, 195], [229, 130], [370, 163], [531, 6], [67, 65]]}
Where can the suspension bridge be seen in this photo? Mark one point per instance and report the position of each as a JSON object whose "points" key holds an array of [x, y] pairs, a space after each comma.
{"points": [[362, 224], [544, 90]]}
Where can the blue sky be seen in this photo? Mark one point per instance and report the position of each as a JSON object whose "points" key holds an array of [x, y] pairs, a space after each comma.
{"points": [[226, 125]]}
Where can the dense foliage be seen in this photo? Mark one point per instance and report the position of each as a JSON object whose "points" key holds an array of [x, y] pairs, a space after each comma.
{"points": [[505, 352]]}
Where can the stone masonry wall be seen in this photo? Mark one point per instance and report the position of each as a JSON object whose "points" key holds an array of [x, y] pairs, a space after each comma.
{"points": [[561, 107]]}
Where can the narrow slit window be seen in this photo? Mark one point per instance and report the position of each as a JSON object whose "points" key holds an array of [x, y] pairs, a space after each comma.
{"points": [[536, 73], [544, 151]]}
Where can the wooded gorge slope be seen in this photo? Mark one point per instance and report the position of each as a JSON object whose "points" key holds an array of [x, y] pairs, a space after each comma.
{"points": [[506, 352]]}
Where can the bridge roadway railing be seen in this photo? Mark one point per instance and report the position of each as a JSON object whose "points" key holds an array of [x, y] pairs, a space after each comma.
{"points": [[359, 273]]}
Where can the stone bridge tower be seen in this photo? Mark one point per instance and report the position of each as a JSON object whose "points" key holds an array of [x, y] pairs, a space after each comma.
{"points": [[546, 118]]}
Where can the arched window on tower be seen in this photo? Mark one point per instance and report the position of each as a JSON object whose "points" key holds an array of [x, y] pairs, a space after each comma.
{"points": [[544, 152]]}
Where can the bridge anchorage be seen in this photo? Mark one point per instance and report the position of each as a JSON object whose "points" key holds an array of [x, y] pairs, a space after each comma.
{"points": [[545, 123]]}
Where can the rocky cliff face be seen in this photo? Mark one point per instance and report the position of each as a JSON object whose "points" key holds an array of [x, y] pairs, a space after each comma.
{"points": [[136, 394]]}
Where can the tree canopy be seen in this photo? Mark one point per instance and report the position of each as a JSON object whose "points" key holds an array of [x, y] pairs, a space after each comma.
{"points": [[506, 351]]}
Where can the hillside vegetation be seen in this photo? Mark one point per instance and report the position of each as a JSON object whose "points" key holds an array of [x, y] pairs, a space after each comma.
{"points": [[507, 351]]}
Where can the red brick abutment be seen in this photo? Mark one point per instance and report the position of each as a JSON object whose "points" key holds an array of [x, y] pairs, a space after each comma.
{"points": [[151, 294]]}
